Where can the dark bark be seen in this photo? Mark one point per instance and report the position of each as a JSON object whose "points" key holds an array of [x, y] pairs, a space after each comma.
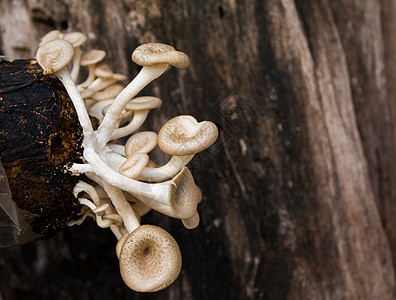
{"points": [[298, 191]]}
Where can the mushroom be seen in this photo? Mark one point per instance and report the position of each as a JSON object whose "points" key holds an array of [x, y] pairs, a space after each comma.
{"points": [[140, 107], [192, 222], [90, 59], [181, 137], [134, 165], [141, 142], [50, 36], [53, 57], [97, 110], [97, 85], [76, 39], [155, 58], [123, 207], [108, 93], [150, 259], [176, 197]]}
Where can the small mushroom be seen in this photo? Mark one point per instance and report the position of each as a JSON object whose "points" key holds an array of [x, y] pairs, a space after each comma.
{"points": [[53, 57], [192, 222], [141, 142], [50, 36], [76, 39], [140, 107], [165, 172], [108, 93], [134, 165], [155, 58], [176, 197], [181, 137], [103, 70], [97, 85], [90, 59], [150, 259], [97, 110]]}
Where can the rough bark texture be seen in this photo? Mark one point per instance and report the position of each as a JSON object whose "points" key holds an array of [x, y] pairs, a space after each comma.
{"points": [[298, 191]]}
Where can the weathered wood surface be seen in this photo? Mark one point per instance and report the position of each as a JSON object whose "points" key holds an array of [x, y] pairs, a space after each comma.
{"points": [[298, 192]]}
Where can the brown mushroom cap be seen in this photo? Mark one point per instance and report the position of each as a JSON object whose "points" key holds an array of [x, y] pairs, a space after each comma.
{"points": [[183, 135], [141, 142], [151, 54], [192, 222], [75, 38], [143, 103], [50, 36], [103, 70], [150, 259], [54, 55], [185, 198], [92, 57], [134, 165], [108, 93]]}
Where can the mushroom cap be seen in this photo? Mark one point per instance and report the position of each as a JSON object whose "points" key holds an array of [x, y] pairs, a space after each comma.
{"points": [[108, 93], [143, 103], [103, 70], [119, 77], [183, 135], [134, 165], [192, 222], [54, 55], [50, 36], [150, 259], [92, 57], [75, 38], [185, 197], [151, 54], [141, 142]]}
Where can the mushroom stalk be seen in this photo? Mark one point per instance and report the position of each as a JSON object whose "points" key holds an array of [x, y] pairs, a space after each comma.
{"points": [[76, 64], [122, 206], [139, 117], [78, 102], [163, 197], [145, 76], [90, 78], [167, 171]]}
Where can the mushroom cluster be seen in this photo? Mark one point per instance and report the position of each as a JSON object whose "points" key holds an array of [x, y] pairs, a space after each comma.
{"points": [[125, 183]]}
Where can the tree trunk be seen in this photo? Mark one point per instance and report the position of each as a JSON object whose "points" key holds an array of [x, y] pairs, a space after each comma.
{"points": [[298, 190]]}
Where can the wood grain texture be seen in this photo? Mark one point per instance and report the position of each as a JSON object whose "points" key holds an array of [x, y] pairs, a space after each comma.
{"points": [[298, 190]]}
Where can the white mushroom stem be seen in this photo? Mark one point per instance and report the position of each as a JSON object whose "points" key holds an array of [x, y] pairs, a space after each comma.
{"points": [[139, 117], [117, 148], [122, 206], [78, 102], [76, 64], [82, 186], [159, 196], [78, 169], [145, 76], [97, 110], [115, 160], [167, 171], [90, 78]]}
